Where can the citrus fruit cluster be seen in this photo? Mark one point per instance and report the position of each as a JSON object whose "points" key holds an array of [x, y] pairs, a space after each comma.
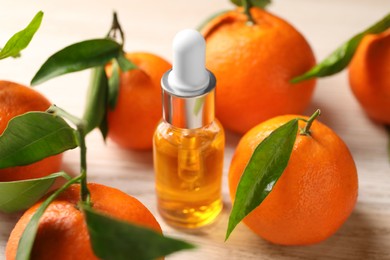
{"points": [[254, 55], [318, 188], [62, 231]]}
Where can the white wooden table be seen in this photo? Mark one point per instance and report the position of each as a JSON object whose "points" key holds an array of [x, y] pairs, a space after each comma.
{"points": [[150, 26]]}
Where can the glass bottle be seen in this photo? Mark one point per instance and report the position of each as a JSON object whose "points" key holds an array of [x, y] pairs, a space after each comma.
{"points": [[188, 144]]}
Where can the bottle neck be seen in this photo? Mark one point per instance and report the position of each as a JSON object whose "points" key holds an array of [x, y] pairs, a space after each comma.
{"points": [[188, 112]]}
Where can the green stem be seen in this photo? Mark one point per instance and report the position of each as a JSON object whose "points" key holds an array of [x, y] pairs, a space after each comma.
{"points": [[247, 6], [53, 109], [309, 122], [80, 125], [115, 27], [85, 195]]}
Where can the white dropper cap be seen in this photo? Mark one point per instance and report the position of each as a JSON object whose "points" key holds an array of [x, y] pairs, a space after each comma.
{"points": [[189, 75]]}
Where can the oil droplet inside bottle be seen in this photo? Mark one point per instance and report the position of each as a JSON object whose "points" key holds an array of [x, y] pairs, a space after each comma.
{"points": [[188, 181]]}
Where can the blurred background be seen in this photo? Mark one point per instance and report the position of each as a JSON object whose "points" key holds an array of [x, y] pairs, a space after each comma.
{"points": [[150, 26]]}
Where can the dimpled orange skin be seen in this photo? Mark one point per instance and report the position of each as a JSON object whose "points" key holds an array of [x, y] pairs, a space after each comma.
{"points": [[16, 99], [253, 66], [138, 111], [315, 194], [62, 232], [369, 76]]}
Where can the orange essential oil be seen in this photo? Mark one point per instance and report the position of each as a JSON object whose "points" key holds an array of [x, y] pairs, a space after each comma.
{"points": [[188, 145]]}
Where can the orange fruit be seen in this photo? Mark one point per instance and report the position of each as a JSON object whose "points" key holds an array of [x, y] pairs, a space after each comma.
{"points": [[253, 66], [138, 111], [15, 100], [62, 232], [316, 192], [369, 76]]}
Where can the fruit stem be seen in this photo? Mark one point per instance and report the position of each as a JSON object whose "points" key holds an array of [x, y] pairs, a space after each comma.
{"points": [[53, 109], [309, 122], [85, 195], [115, 27], [80, 133], [247, 6]]}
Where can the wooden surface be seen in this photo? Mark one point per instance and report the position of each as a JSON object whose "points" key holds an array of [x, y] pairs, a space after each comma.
{"points": [[150, 26]]}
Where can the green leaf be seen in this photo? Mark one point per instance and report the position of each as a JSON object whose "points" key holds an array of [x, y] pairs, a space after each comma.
{"points": [[116, 239], [124, 63], [260, 3], [20, 40], [211, 17], [96, 106], [341, 57], [34, 136], [26, 241], [264, 168], [257, 3], [113, 83], [20, 195], [237, 2], [76, 57], [103, 127]]}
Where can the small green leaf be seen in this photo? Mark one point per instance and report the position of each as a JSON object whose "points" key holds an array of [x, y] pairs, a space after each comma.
{"points": [[211, 17], [237, 2], [20, 40], [76, 57], [20, 195], [260, 3], [96, 106], [341, 57], [34, 136], [114, 83], [124, 63], [256, 3], [103, 127], [264, 168], [115, 239], [26, 241]]}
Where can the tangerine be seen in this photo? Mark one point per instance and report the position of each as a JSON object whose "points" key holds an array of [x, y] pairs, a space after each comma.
{"points": [[138, 110], [62, 231], [253, 65], [16, 99], [316, 192], [369, 77]]}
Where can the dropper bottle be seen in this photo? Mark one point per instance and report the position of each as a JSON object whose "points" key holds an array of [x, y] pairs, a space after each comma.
{"points": [[188, 144]]}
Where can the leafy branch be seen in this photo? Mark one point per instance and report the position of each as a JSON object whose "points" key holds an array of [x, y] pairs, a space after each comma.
{"points": [[92, 54], [55, 135]]}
